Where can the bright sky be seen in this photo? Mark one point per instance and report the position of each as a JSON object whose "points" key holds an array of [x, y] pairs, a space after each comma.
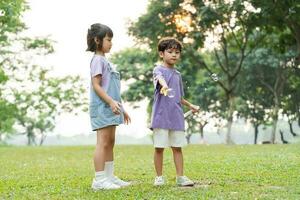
{"points": [[66, 22]]}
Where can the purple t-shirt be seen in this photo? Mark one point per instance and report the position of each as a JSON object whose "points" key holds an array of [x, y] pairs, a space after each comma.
{"points": [[100, 65], [167, 112]]}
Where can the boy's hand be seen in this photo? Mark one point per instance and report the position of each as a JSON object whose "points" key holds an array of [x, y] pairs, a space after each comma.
{"points": [[127, 118], [194, 108], [164, 90]]}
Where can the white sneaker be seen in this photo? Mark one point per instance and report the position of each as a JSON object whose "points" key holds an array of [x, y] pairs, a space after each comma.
{"points": [[159, 180], [184, 181], [118, 181], [104, 184]]}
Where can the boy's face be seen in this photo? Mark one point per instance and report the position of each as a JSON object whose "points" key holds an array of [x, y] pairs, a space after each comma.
{"points": [[170, 56]]}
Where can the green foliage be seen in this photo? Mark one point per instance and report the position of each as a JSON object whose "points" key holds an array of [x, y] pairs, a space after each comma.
{"points": [[257, 48], [30, 98], [220, 172], [10, 19], [7, 114], [39, 44], [136, 65]]}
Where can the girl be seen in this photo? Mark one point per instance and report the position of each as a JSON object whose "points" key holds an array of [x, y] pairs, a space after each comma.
{"points": [[106, 111]]}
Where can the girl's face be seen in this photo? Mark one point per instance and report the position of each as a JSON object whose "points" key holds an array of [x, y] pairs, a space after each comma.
{"points": [[170, 56], [106, 44]]}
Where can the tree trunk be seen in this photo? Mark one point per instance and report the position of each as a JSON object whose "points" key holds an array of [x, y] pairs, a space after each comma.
{"points": [[291, 128], [201, 127], [295, 27], [188, 138], [229, 119], [201, 132], [282, 138], [30, 138], [274, 125], [43, 138], [255, 133]]}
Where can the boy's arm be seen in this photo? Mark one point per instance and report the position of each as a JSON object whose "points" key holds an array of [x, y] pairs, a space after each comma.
{"points": [[161, 81], [191, 106]]}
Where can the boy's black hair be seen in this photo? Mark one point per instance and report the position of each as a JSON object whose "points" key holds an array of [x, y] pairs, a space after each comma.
{"points": [[169, 43], [100, 31]]}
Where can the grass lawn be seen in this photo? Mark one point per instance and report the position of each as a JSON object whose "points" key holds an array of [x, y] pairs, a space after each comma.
{"points": [[221, 172]]}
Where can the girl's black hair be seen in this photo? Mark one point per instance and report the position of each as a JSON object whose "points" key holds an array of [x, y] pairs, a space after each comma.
{"points": [[169, 43], [98, 31]]}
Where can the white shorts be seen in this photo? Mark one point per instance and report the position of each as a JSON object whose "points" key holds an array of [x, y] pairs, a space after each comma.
{"points": [[163, 138]]}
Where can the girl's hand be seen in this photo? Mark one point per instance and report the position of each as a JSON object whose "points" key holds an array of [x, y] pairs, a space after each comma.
{"points": [[115, 107], [127, 118], [194, 108]]}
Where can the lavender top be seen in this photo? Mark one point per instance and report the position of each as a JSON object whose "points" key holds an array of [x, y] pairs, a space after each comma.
{"points": [[167, 112], [100, 65]]}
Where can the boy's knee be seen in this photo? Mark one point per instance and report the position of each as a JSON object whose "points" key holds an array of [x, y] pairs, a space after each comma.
{"points": [[159, 150], [177, 149]]}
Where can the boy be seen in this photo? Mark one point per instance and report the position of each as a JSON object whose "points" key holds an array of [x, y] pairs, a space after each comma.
{"points": [[167, 120]]}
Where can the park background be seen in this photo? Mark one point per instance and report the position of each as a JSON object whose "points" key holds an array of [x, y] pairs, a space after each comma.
{"points": [[240, 64]]}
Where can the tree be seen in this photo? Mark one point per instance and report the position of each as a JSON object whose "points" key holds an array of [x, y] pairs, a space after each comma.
{"points": [[255, 99], [286, 17], [232, 25], [10, 12], [271, 70], [29, 90]]}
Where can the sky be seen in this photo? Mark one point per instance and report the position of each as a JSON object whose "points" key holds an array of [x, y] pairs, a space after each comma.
{"points": [[66, 22]]}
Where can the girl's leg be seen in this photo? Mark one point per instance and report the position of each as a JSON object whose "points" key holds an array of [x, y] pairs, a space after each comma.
{"points": [[103, 152], [109, 159], [158, 160], [103, 149], [110, 154], [178, 160]]}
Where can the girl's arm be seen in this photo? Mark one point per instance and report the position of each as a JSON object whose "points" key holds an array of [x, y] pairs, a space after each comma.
{"points": [[103, 95], [127, 118]]}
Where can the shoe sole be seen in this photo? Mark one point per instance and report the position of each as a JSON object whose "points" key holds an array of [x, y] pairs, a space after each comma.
{"points": [[188, 185], [159, 184], [105, 188]]}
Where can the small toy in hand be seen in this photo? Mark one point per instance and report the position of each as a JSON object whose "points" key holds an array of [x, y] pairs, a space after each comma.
{"points": [[167, 92]]}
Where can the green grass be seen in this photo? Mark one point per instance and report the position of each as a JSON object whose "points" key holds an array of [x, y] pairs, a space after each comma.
{"points": [[221, 172]]}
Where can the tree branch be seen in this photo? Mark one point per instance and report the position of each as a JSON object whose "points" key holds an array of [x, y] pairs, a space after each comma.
{"points": [[219, 61]]}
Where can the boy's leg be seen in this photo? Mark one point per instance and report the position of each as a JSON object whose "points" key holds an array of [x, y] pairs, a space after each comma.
{"points": [[158, 160], [178, 140], [161, 141], [178, 160]]}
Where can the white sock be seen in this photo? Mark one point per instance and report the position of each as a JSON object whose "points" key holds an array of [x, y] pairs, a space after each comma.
{"points": [[109, 169], [100, 175]]}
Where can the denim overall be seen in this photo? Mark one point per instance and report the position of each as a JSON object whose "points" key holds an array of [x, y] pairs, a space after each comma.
{"points": [[100, 112]]}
